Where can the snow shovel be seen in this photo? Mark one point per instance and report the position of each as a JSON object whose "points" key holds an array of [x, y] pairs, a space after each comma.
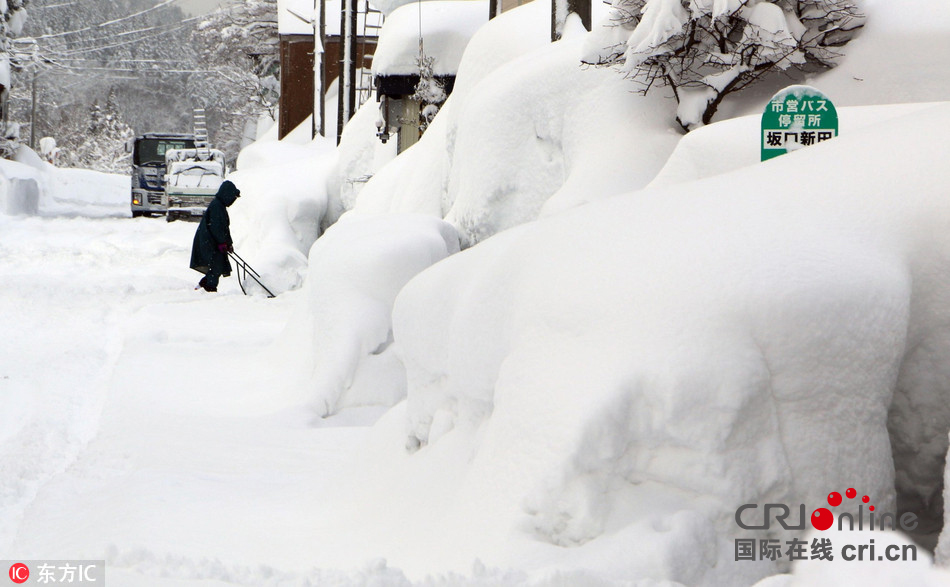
{"points": [[248, 272]]}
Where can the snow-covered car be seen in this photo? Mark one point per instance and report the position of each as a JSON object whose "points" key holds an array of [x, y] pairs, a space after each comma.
{"points": [[193, 178]]}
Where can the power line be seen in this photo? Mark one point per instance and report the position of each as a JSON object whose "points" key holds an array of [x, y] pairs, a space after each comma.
{"points": [[114, 45], [111, 22], [54, 5], [180, 24]]}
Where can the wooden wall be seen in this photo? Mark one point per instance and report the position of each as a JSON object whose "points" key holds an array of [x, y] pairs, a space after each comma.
{"points": [[296, 74], [296, 81]]}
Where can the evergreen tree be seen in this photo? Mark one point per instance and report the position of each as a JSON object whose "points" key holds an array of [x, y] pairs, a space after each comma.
{"points": [[102, 145]]}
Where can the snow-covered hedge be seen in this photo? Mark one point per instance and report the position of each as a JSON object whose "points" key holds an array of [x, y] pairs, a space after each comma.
{"points": [[525, 120], [341, 336], [738, 339]]}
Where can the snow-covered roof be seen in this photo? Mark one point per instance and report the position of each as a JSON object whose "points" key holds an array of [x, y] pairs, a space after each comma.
{"points": [[447, 26], [289, 24]]}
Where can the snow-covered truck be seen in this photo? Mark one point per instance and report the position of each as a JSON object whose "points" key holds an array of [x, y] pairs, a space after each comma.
{"points": [[148, 169], [192, 179]]}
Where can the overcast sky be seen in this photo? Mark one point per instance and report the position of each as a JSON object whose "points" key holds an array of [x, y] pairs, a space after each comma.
{"points": [[193, 7]]}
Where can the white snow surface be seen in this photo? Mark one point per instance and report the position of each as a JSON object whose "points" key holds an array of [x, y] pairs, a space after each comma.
{"points": [[589, 393], [837, 572], [196, 174], [732, 144], [446, 26], [794, 313], [342, 335], [30, 186], [282, 205], [518, 137], [584, 430]]}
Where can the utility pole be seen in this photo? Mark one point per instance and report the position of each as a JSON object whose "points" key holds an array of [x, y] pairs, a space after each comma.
{"points": [[318, 20], [347, 100], [33, 110], [319, 76]]}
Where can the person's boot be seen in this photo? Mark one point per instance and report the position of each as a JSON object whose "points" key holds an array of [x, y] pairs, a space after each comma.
{"points": [[203, 284]]}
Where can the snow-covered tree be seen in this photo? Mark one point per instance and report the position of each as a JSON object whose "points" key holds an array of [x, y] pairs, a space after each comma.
{"points": [[102, 145], [239, 41], [141, 48], [707, 49], [429, 92], [48, 150], [12, 17]]}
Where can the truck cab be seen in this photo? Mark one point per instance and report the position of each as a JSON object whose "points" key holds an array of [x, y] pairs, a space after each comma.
{"points": [[149, 169]]}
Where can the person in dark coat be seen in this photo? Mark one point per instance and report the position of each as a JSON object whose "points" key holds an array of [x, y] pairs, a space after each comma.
{"points": [[209, 252]]}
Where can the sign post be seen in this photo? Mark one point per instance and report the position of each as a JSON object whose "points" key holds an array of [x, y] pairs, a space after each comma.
{"points": [[797, 117]]}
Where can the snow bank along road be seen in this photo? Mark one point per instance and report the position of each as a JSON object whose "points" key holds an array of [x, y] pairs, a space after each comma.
{"points": [[137, 422]]}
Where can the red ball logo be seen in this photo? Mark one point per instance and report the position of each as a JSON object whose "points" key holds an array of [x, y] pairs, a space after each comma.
{"points": [[822, 519], [19, 573]]}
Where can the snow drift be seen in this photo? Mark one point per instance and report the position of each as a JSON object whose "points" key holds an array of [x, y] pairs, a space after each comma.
{"points": [[30, 186], [525, 120], [343, 330], [283, 203], [648, 363]]}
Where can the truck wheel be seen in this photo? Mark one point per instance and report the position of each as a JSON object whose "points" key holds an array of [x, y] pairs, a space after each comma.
{"points": [[136, 214], [169, 217]]}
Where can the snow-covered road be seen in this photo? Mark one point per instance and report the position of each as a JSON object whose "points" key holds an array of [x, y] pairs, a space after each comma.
{"points": [[140, 421]]}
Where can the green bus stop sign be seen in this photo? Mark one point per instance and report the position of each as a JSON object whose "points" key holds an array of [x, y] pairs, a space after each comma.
{"points": [[797, 117]]}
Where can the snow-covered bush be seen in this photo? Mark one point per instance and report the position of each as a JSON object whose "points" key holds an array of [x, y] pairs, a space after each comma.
{"points": [[49, 151], [344, 331], [707, 49], [429, 92], [631, 371], [524, 120]]}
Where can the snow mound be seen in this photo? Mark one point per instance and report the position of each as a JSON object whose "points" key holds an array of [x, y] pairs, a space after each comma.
{"points": [[19, 189], [416, 180], [525, 125], [637, 368], [541, 128], [892, 60], [733, 144], [277, 218], [283, 203], [343, 328], [30, 186], [446, 27], [360, 155]]}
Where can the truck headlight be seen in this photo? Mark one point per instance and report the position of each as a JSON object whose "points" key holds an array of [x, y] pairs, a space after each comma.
{"points": [[136, 202]]}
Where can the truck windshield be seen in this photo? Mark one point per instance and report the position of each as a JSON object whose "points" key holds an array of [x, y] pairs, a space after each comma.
{"points": [[152, 151]]}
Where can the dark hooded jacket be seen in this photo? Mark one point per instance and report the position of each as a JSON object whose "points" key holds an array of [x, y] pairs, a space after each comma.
{"points": [[214, 229]]}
